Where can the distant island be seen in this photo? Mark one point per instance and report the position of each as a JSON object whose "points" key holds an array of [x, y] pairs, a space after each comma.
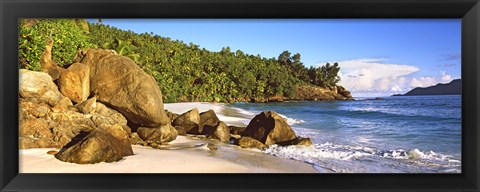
{"points": [[452, 88]]}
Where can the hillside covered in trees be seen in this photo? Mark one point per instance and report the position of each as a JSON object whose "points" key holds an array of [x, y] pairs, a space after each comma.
{"points": [[184, 71]]}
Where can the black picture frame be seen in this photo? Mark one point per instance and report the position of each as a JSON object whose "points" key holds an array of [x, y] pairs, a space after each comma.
{"points": [[467, 10]]}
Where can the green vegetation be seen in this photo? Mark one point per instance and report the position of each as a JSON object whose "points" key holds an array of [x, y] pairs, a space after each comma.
{"points": [[68, 35], [185, 72], [324, 76]]}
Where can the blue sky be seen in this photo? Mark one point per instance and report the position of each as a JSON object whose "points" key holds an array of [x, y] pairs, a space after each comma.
{"points": [[377, 57]]}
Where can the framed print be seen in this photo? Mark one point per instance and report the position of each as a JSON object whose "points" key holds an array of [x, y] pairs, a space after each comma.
{"points": [[240, 95]]}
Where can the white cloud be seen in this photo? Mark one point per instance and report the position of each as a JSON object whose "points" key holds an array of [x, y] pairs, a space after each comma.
{"points": [[423, 82], [374, 77], [429, 81], [445, 77], [372, 74], [396, 88]]}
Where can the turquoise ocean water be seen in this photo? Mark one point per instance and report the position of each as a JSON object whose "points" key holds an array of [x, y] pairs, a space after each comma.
{"points": [[414, 134]]}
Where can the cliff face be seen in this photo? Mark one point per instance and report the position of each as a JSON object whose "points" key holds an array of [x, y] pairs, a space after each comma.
{"points": [[313, 93], [452, 88]]}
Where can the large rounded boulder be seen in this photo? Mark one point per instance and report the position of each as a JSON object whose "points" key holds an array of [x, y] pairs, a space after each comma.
{"points": [[118, 81], [160, 135], [208, 119], [212, 127], [269, 128], [219, 132], [208, 123], [189, 121], [104, 144]]}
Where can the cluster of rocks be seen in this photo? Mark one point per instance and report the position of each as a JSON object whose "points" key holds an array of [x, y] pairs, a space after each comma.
{"points": [[265, 129], [88, 109], [88, 132], [103, 102]]}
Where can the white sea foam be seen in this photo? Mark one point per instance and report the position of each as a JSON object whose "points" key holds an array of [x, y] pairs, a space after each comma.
{"points": [[309, 153], [416, 154], [345, 158], [243, 111], [358, 154], [292, 121]]}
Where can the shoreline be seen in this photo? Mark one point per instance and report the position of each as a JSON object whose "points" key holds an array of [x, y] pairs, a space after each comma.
{"points": [[190, 151], [184, 155], [190, 154]]}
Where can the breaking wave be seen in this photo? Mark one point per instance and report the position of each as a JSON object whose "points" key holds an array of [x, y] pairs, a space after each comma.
{"points": [[346, 158]]}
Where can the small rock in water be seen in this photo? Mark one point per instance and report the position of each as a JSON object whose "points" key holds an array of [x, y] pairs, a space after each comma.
{"points": [[212, 147], [297, 141], [304, 141], [248, 142], [269, 128], [52, 152]]}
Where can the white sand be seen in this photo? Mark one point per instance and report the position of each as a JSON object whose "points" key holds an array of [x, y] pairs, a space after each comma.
{"points": [[185, 155], [145, 160]]}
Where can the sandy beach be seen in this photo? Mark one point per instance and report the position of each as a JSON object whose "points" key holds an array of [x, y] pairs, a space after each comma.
{"points": [[186, 154]]}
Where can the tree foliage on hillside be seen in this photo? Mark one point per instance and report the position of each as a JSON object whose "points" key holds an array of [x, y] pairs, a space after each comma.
{"points": [[184, 72], [324, 76], [68, 35]]}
